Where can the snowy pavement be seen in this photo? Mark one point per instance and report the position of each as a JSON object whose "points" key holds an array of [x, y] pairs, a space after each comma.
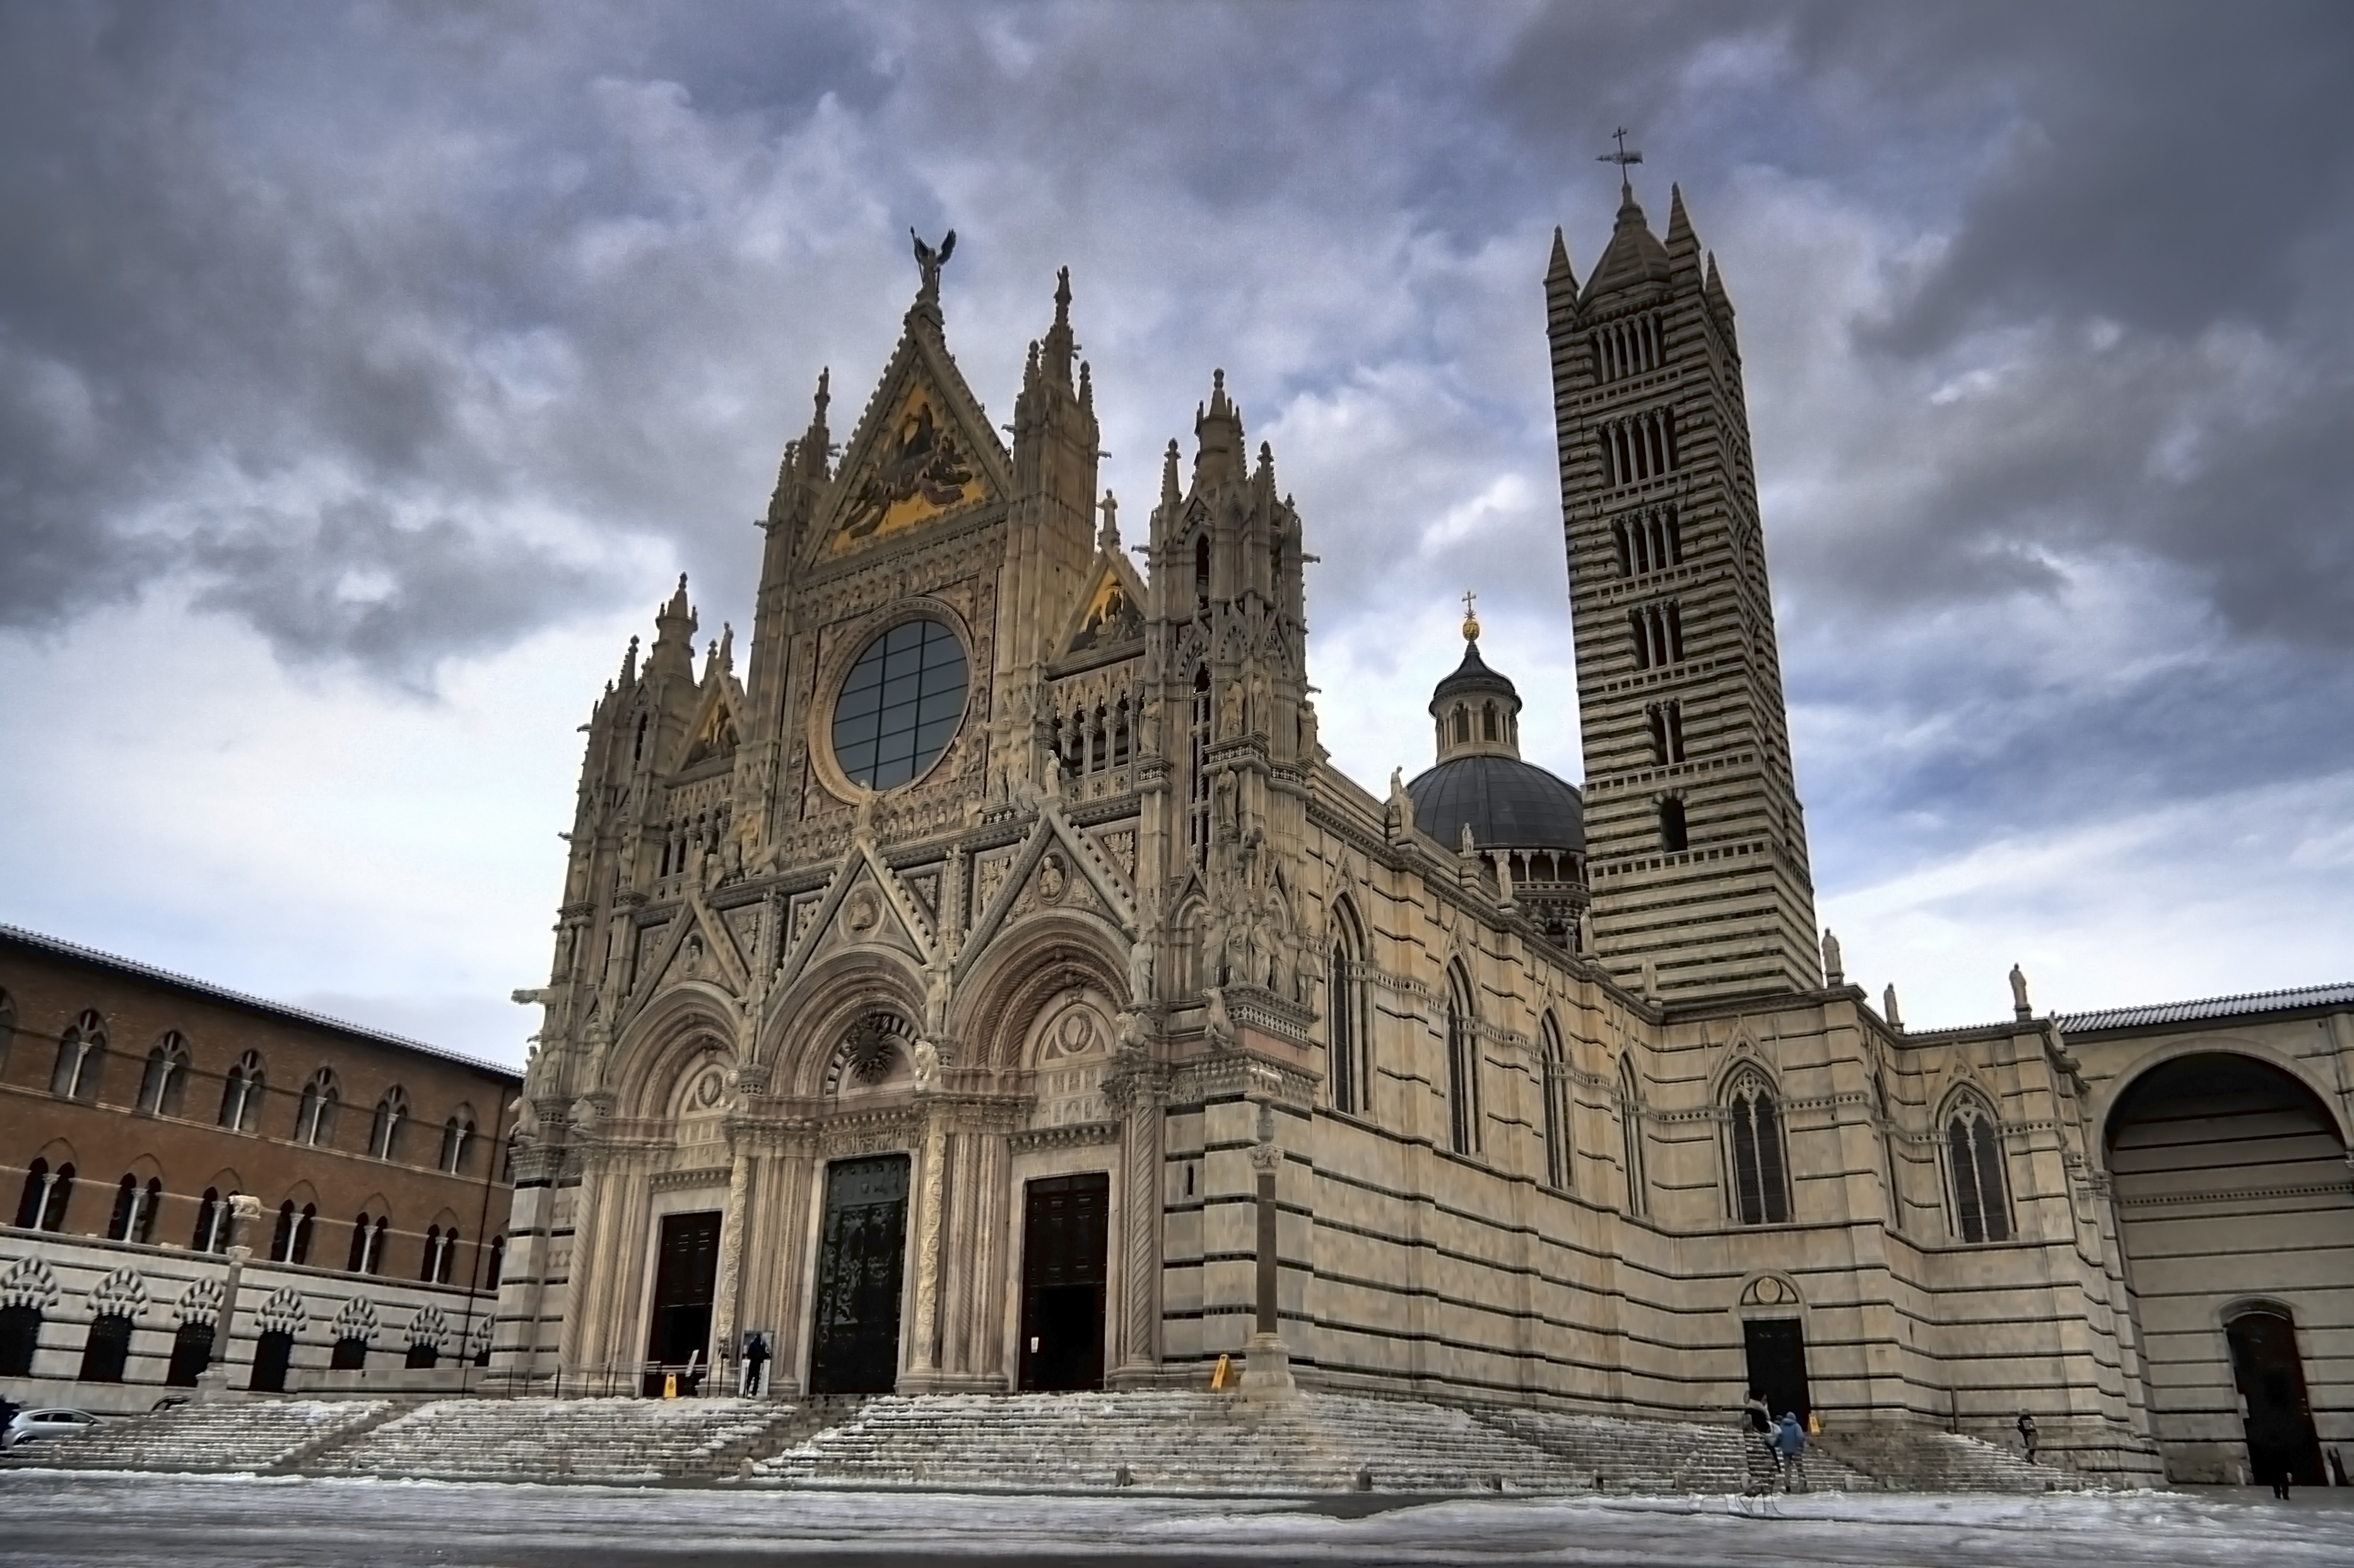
{"points": [[70, 1518]]}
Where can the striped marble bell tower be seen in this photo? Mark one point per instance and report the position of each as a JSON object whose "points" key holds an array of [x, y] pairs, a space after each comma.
{"points": [[1696, 843]]}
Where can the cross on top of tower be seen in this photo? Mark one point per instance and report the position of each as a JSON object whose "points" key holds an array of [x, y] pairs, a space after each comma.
{"points": [[1624, 157], [1471, 617]]}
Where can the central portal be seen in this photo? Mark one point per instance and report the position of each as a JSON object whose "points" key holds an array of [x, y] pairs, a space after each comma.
{"points": [[1776, 1349], [861, 1259], [1062, 1248], [686, 1269]]}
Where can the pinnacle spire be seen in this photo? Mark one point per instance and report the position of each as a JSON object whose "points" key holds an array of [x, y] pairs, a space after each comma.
{"points": [[1683, 245], [1218, 431], [1169, 494], [1055, 354], [1559, 273]]}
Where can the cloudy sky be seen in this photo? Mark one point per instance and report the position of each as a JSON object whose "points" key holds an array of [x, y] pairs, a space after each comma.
{"points": [[367, 373]]}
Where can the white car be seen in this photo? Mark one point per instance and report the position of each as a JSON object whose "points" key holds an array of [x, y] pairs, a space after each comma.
{"points": [[50, 1423]]}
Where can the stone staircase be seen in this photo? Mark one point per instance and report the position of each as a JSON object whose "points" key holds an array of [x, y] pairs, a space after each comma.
{"points": [[1184, 1441], [227, 1436], [1613, 1454], [608, 1441], [1945, 1462]]}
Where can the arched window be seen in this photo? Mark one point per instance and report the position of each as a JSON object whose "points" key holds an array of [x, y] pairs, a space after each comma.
{"points": [[20, 1336], [134, 1210], [81, 1057], [1202, 569], [373, 1262], [1761, 1188], [192, 1352], [314, 1119], [1885, 1127], [457, 1142], [350, 1354], [108, 1349], [444, 1265], [241, 1094], [1559, 1154], [1346, 1066], [46, 1193], [292, 1243], [166, 1083], [213, 1216], [1630, 1136], [432, 1255], [273, 1351], [1974, 1159], [358, 1261], [384, 1133], [1487, 721], [1463, 1127]]}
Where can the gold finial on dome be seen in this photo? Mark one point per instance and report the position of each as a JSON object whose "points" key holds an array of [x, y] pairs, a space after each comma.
{"points": [[1471, 617]]}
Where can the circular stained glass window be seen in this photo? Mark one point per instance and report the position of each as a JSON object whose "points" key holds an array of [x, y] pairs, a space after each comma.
{"points": [[901, 704]]}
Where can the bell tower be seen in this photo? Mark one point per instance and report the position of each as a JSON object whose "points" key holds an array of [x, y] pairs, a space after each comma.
{"points": [[1696, 843]]}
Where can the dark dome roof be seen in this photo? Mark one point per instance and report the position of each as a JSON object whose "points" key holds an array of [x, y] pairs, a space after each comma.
{"points": [[1471, 676], [1509, 804]]}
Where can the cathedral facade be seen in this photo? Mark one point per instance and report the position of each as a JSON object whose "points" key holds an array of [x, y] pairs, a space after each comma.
{"points": [[996, 987]]}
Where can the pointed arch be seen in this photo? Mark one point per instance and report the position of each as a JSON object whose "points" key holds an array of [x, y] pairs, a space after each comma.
{"points": [[1977, 1185], [458, 1140], [1630, 1136], [81, 1058], [384, 1126], [241, 1093], [314, 1115], [163, 1087], [1760, 1187], [1552, 1065], [1463, 1115], [1348, 1070]]}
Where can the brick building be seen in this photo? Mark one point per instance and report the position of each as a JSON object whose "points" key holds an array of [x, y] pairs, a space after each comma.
{"points": [[136, 1104]]}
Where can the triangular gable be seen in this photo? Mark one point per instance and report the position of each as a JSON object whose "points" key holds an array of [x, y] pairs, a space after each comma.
{"points": [[1081, 861], [1110, 613], [718, 728], [924, 450], [898, 915], [717, 960]]}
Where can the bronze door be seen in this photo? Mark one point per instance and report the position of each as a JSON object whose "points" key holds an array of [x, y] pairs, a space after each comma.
{"points": [[862, 1256], [1063, 1252]]}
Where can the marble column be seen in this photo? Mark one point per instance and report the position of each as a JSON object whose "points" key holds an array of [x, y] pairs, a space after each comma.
{"points": [[931, 1183]]}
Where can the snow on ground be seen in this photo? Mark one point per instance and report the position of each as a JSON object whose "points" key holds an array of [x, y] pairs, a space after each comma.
{"points": [[70, 1520]]}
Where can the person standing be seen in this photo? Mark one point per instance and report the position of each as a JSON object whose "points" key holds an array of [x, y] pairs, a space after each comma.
{"points": [[756, 1364], [1790, 1443], [2027, 1434], [1757, 1442]]}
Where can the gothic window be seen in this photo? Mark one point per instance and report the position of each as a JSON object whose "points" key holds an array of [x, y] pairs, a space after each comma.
{"points": [[1619, 539], [447, 1262], [1099, 739], [457, 1142], [384, 1132], [1641, 638], [20, 1336], [1462, 1066], [104, 1353], [46, 1193], [241, 1094], [1974, 1157], [1630, 1136], [1761, 1188], [1559, 1154], [166, 1082], [1886, 1127], [81, 1054], [1673, 833], [350, 1354], [211, 1234], [1198, 806], [1347, 1065], [1675, 633], [314, 1119], [291, 1241], [357, 1262], [192, 1352], [1119, 734], [134, 1210], [432, 1257]]}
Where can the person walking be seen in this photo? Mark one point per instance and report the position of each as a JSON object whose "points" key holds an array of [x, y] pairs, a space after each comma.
{"points": [[756, 1364], [1757, 1443], [2027, 1434], [1790, 1443]]}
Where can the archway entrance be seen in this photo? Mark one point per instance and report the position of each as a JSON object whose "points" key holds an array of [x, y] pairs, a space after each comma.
{"points": [[862, 1253], [1777, 1352], [2270, 1376], [686, 1273], [2230, 1184]]}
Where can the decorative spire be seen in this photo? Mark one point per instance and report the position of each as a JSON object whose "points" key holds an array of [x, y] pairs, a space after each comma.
{"points": [[1218, 434], [1059, 347], [1625, 157], [1683, 245], [1559, 273], [629, 666], [817, 441], [1169, 494]]}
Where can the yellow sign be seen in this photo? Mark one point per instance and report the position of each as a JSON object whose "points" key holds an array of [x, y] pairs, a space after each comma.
{"points": [[670, 1385], [919, 470], [1218, 1376]]}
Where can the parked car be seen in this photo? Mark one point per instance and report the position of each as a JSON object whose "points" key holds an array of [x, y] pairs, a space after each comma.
{"points": [[49, 1422]]}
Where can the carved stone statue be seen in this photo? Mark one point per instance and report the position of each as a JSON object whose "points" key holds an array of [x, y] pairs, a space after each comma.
{"points": [[1230, 711], [1216, 1027], [1833, 971], [1401, 803], [1887, 1007], [2019, 1002], [1140, 972], [928, 263], [936, 988], [926, 1059]]}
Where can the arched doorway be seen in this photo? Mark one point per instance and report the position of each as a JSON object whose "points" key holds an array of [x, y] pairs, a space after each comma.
{"points": [[2234, 1210]]}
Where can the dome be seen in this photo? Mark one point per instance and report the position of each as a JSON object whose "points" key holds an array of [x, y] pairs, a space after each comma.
{"points": [[1473, 675], [1509, 804]]}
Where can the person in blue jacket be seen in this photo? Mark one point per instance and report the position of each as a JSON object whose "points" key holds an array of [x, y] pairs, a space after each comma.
{"points": [[1790, 1443]]}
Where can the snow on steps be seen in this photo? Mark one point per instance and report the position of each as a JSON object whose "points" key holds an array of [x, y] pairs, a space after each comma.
{"points": [[1668, 1457], [229, 1435], [1947, 1462], [1191, 1441], [604, 1440]]}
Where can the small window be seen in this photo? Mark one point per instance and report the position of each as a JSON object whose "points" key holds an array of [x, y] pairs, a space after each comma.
{"points": [[384, 1132], [1557, 1106], [166, 1083], [1202, 569], [241, 1094], [1630, 1135], [314, 1118], [81, 1058], [1673, 834], [1462, 1066], [46, 1192], [457, 1143]]}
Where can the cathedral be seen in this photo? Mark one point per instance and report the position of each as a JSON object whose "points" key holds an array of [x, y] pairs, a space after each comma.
{"points": [[994, 986]]}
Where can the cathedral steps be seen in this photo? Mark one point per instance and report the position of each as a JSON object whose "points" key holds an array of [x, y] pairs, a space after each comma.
{"points": [[1613, 1454], [607, 1441], [1945, 1462], [225, 1436]]}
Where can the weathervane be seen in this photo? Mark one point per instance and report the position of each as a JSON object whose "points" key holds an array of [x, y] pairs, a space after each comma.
{"points": [[1623, 157]]}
